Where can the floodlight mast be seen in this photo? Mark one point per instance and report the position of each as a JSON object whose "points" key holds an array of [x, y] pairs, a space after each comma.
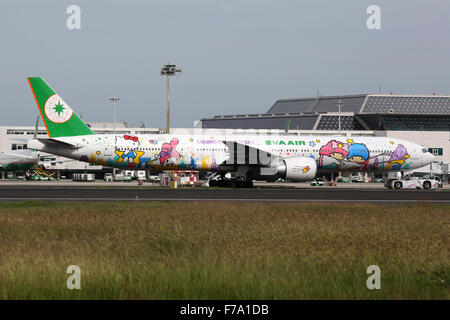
{"points": [[114, 101], [169, 70], [339, 105]]}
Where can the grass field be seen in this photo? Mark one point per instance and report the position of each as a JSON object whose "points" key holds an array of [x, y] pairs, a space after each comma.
{"points": [[223, 250]]}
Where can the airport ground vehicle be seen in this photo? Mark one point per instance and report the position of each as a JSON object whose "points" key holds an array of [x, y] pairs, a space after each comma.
{"points": [[140, 175], [83, 177], [357, 179], [342, 179], [155, 178], [122, 177], [438, 179], [317, 182], [412, 183], [119, 177]]}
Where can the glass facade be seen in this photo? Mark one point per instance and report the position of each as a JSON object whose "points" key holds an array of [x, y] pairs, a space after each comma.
{"points": [[332, 123], [369, 112], [407, 104]]}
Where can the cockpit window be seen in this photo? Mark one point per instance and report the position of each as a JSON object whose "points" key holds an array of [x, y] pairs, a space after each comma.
{"points": [[424, 150]]}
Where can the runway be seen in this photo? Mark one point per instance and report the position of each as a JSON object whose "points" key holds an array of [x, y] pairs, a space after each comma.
{"points": [[92, 193]]}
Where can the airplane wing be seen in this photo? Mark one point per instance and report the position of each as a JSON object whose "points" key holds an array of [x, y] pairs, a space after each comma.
{"points": [[239, 153]]}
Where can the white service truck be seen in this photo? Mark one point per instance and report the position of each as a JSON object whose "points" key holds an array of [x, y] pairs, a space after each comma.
{"points": [[120, 176]]}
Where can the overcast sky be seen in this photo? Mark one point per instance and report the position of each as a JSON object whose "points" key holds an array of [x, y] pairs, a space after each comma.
{"points": [[237, 56]]}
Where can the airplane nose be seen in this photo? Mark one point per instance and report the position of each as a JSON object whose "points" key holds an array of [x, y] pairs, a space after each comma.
{"points": [[424, 156], [430, 157]]}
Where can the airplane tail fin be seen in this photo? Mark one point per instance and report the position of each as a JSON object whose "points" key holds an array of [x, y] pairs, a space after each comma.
{"points": [[58, 116]]}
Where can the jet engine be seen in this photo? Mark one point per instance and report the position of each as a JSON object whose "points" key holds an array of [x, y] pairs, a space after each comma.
{"points": [[297, 169]]}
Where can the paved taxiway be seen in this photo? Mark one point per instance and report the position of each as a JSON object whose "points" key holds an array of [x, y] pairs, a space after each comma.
{"points": [[17, 192]]}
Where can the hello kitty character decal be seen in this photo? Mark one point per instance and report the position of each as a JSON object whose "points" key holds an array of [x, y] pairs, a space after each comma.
{"points": [[126, 148]]}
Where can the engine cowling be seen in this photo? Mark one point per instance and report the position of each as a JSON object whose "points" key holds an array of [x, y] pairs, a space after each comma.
{"points": [[298, 169]]}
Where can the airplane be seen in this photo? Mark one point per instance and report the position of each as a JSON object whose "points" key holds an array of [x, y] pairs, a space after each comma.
{"points": [[18, 160], [246, 157]]}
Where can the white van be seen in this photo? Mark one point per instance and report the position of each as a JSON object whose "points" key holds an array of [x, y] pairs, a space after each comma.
{"points": [[141, 175]]}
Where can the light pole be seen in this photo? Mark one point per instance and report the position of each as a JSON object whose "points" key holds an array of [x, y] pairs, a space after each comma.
{"points": [[114, 101], [169, 70], [339, 104]]}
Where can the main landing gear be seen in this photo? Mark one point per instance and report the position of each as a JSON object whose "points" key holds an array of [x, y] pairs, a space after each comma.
{"points": [[239, 182]]}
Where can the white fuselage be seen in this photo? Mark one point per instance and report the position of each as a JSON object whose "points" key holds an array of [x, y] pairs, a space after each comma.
{"points": [[209, 153], [18, 160]]}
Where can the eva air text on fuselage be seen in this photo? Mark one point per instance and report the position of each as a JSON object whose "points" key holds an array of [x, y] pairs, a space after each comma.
{"points": [[285, 142]]}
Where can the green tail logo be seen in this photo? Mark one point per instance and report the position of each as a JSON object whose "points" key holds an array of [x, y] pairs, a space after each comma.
{"points": [[58, 116]]}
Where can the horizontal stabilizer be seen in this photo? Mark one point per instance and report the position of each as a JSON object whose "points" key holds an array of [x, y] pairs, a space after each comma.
{"points": [[54, 143]]}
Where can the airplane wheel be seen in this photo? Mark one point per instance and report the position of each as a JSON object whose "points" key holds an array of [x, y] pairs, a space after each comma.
{"points": [[398, 185], [427, 185], [213, 183], [223, 183], [238, 184]]}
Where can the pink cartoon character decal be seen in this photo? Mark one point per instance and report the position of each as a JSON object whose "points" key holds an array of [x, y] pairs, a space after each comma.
{"points": [[126, 147], [332, 154], [168, 155]]}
